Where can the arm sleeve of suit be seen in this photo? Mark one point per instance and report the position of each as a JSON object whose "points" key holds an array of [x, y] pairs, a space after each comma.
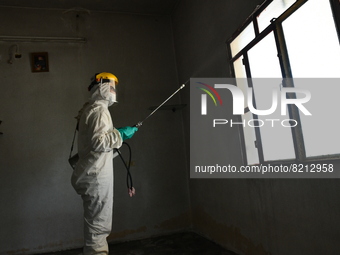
{"points": [[104, 137]]}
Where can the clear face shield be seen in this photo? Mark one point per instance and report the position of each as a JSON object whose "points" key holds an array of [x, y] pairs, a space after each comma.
{"points": [[108, 92], [113, 93]]}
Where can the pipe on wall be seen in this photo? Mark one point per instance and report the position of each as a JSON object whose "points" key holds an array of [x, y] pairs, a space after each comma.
{"points": [[5, 38]]}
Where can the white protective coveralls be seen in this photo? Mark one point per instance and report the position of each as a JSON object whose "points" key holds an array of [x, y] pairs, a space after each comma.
{"points": [[93, 174]]}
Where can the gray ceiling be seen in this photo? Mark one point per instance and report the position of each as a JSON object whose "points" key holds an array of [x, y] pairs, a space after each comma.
{"points": [[152, 7]]}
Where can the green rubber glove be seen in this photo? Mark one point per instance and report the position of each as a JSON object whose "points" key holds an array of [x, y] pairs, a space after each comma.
{"points": [[127, 132]]}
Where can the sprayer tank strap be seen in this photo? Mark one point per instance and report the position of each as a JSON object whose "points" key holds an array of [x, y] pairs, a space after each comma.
{"points": [[74, 137]]}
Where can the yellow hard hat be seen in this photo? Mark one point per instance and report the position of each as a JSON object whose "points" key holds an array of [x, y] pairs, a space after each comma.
{"points": [[104, 76]]}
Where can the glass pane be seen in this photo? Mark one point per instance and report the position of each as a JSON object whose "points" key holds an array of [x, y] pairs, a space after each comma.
{"points": [[263, 59], [314, 51], [312, 41], [273, 10], [321, 130], [245, 37], [240, 71], [277, 140], [276, 135]]}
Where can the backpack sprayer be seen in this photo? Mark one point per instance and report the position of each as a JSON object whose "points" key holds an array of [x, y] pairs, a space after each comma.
{"points": [[74, 159]]}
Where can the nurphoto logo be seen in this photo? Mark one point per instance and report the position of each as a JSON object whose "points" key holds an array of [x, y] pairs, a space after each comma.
{"points": [[286, 96]]}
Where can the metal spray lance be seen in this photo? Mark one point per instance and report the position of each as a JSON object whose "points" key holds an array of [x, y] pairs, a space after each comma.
{"points": [[140, 123]]}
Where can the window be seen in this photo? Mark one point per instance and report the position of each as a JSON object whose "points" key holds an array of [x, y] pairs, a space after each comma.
{"points": [[295, 41]]}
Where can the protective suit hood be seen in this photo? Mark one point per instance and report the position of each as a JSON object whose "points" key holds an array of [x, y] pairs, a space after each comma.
{"points": [[103, 92]]}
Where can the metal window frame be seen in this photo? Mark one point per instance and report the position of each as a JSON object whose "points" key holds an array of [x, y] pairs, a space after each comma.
{"points": [[276, 28]]}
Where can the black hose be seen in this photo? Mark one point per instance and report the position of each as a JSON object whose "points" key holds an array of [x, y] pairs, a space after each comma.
{"points": [[127, 166]]}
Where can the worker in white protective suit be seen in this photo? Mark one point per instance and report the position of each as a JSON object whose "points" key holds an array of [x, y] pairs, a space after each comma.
{"points": [[93, 175]]}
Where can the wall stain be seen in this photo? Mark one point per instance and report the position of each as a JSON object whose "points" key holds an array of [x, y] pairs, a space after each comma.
{"points": [[182, 221], [50, 247], [20, 251], [229, 237], [61, 244], [122, 234]]}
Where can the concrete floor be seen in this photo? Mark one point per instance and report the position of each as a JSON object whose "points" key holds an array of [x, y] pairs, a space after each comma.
{"points": [[182, 243]]}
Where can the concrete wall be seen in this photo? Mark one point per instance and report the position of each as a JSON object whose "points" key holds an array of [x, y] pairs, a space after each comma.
{"points": [[40, 211], [248, 216]]}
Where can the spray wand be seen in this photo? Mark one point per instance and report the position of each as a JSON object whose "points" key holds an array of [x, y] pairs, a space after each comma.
{"points": [[140, 123]]}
